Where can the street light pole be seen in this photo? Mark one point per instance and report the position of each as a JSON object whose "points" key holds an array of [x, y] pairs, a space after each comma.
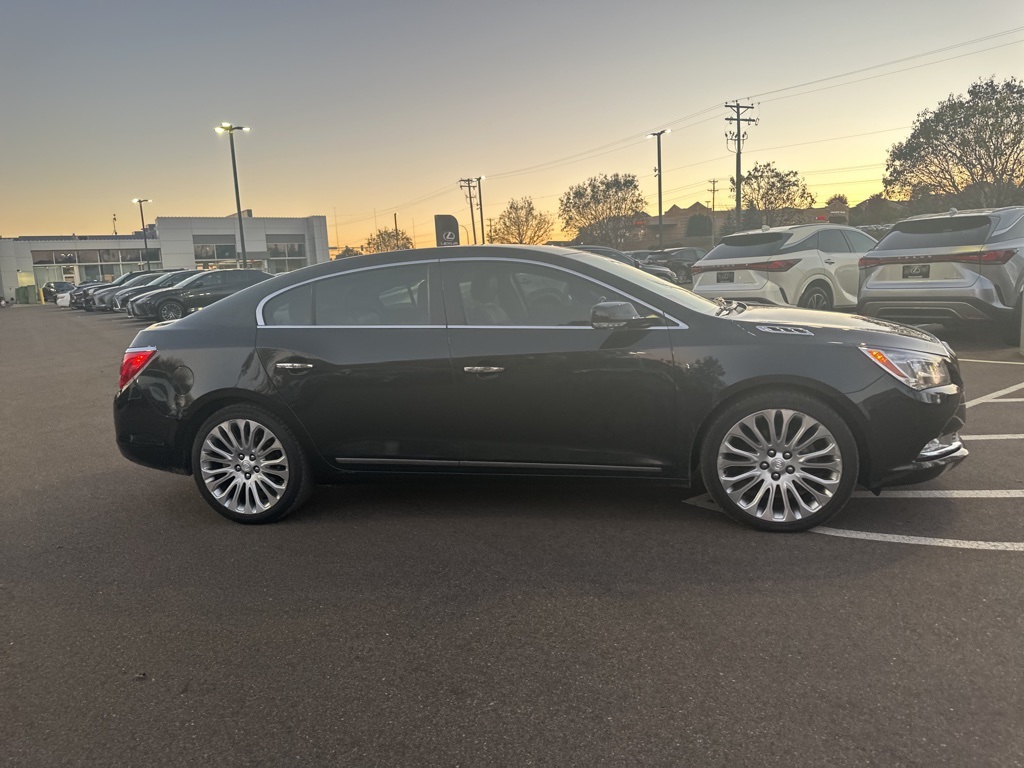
{"points": [[145, 238], [230, 129], [657, 135]]}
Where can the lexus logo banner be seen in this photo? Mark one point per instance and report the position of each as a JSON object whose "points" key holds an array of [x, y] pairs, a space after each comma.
{"points": [[447, 229]]}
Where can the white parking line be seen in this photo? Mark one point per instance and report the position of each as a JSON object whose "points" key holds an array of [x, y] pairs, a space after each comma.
{"points": [[1011, 494], [1007, 546], [993, 395], [992, 362], [992, 437]]}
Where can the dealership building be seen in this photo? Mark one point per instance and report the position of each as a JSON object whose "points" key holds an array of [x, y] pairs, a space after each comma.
{"points": [[271, 244]]}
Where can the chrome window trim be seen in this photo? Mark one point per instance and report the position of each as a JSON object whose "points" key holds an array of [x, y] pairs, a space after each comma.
{"points": [[679, 324]]}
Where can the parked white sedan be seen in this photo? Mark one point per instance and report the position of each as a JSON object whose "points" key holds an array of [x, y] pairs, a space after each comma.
{"points": [[808, 265]]}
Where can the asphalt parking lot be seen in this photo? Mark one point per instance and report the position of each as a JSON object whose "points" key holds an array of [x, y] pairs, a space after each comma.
{"points": [[478, 623]]}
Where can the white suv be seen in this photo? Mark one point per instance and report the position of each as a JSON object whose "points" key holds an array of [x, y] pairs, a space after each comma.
{"points": [[808, 265], [953, 268]]}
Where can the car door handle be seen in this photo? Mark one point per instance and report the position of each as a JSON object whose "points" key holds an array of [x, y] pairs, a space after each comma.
{"points": [[483, 369], [293, 366], [830, 261]]}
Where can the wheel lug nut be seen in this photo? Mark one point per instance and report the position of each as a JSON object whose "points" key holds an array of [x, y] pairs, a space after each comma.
{"points": [[241, 456], [255, 469], [247, 475], [238, 468], [764, 465], [253, 457], [771, 453], [791, 470], [787, 455], [775, 475]]}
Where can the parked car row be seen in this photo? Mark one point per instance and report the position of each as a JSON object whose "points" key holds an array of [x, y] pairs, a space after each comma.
{"points": [[160, 294], [952, 268]]}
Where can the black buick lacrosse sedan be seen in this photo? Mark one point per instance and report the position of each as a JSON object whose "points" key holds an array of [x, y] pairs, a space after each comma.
{"points": [[533, 361]]}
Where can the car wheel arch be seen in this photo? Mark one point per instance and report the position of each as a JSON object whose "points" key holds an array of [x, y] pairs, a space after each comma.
{"points": [[212, 402], [831, 397]]}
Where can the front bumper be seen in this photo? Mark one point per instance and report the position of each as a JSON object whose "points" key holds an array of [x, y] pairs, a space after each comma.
{"points": [[937, 458]]}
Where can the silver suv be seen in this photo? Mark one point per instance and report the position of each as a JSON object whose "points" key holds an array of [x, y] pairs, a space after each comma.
{"points": [[951, 268]]}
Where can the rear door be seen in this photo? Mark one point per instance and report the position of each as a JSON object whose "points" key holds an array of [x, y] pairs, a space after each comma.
{"points": [[362, 360], [840, 262]]}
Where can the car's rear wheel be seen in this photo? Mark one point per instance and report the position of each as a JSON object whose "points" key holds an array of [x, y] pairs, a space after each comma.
{"points": [[780, 461], [171, 310], [249, 466], [816, 297]]}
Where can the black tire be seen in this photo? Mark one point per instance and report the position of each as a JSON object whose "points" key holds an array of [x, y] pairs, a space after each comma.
{"points": [[816, 297], [271, 480], [771, 488], [170, 310]]}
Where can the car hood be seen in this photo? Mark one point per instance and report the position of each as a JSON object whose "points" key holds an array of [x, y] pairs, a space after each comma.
{"points": [[836, 326]]}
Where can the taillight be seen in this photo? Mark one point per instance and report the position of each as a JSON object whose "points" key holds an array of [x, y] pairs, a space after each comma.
{"points": [[132, 363], [988, 257], [775, 265]]}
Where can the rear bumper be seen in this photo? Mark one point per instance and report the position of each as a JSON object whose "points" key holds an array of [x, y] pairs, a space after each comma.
{"points": [[767, 294], [977, 304]]}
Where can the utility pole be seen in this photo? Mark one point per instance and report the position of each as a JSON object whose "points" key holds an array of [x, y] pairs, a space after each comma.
{"points": [[115, 225], [738, 137], [657, 172], [714, 188], [468, 185], [480, 206]]}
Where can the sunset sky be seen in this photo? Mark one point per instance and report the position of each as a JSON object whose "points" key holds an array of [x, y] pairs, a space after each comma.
{"points": [[364, 108]]}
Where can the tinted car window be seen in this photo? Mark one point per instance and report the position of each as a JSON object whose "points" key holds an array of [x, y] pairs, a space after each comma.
{"points": [[930, 233], [294, 307], [387, 296], [859, 242], [807, 244], [211, 279], [749, 246], [832, 241], [520, 294]]}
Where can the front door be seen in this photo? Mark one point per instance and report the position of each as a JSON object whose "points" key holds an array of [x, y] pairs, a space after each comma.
{"points": [[537, 387]]}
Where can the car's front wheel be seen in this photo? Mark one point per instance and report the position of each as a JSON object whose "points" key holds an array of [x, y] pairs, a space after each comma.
{"points": [[171, 310], [780, 461], [249, 466]]}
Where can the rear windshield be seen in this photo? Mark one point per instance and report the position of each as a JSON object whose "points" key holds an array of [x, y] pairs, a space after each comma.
{"points": [[936, 233], [749, 246]]}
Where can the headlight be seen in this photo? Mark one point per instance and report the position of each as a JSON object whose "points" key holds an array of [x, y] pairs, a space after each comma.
{"points": [[917, 370]]}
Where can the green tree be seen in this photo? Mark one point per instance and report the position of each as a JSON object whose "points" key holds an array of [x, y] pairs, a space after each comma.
{"points": [[774, 197], [387, 240], [521, 222], [602, 208], [970, 147], [838, 201], [347, 251]]}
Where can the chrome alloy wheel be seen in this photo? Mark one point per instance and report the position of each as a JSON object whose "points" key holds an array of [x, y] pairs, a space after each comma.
{"points": [[779, 465], [244, 466]]}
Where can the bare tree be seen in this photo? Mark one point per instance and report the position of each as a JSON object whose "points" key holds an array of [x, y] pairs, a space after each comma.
{"points": [[602, 208], [776, 196], [520, 222], [838, 201], [971, 147], [387, 240]]}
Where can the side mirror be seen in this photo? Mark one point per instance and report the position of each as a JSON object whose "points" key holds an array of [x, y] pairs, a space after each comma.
{"points": [[619, 315]]}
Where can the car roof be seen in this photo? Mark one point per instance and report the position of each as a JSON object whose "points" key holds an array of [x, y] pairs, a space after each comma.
{"points": [[953, 212], [794, 228]]}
